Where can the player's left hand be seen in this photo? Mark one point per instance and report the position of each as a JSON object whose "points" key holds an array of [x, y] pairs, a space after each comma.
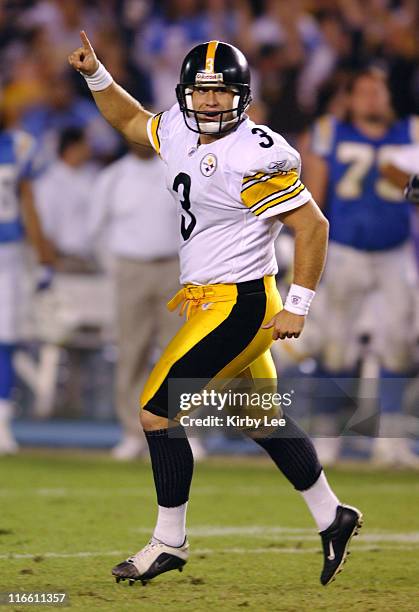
{"points": [[44, 277], [411, 191], [84, 58], [285, 325]]}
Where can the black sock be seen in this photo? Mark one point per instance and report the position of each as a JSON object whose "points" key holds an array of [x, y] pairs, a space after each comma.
{"points": [[293, 452], [172, 464]]}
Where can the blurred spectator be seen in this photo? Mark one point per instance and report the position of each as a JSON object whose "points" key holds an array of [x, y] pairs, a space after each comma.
{"points": [[286, 24], [222, 19], [17, 217], [62, 22], [137, 216], [62, 109], [283, 36], [400, 57], [175, 27], [330, 55], [9, 31], [278, 76], [370, 246], [63, 197], [130, 75], [76, 313]]}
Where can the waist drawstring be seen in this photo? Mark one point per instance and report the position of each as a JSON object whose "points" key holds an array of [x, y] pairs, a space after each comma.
{"points": [[194, 295]]}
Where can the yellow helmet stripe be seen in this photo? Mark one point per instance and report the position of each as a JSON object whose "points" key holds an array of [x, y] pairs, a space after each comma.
{"points": [[210, 58]]}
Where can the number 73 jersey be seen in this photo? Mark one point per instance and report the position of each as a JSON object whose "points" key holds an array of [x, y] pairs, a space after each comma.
{"points": [[228, 194], [364, 209]]}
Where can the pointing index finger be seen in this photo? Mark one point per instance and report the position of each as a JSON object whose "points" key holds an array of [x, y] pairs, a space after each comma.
{"points": [[85, 41]]}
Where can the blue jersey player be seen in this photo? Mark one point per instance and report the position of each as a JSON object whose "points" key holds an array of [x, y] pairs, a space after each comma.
{"points": [[370, 242], [17, 218]]}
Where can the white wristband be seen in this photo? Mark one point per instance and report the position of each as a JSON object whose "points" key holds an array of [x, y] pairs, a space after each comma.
{"points": [[299, 299], [101, 79]]}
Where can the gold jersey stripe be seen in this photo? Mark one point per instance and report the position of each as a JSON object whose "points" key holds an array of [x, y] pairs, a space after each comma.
{"points": [[280, 200], [276, 194], [261, 179], [265, 203], [155, 124], [262, 189], [210, 58]]}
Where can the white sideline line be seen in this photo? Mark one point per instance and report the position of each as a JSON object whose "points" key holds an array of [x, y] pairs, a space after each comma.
{"points": [[68, 492], [288, 533], [91, 492], [200, 551], [237, 490], [216, 531]]}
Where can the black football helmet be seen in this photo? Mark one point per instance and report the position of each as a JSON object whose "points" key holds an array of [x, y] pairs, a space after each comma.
{"points": [[214, 64]]}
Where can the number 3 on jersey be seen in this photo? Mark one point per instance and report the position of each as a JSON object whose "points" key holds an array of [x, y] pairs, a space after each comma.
{"points": [[185, 180], [266, 141]]}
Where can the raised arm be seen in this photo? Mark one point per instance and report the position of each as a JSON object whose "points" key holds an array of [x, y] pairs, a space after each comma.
{"points": [[117, 106]]}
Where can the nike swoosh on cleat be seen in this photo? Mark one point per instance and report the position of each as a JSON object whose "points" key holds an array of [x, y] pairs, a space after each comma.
{"points": [[331, 555], [158, 566]]}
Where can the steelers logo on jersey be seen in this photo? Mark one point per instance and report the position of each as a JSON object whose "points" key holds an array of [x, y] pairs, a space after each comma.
{"points": [[208, 164]]}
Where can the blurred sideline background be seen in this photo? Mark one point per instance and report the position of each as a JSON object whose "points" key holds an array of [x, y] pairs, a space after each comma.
{"points": [[87, 184]]}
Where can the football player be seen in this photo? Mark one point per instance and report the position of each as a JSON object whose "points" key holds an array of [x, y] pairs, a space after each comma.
{"points": [[352, 175], [17, 218], [235, 184]]}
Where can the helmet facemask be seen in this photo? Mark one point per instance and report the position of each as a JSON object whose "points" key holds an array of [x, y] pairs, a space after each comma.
{"points": [[228, 120]]}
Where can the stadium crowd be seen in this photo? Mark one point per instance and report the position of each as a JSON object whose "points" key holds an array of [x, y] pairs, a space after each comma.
{"points": [[302, 53]]}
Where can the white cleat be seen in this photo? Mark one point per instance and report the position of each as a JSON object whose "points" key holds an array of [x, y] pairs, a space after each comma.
{"points": [[405, 456], [130, 447], [328, 450], [198, 449], [394, 452], [154, 559]]}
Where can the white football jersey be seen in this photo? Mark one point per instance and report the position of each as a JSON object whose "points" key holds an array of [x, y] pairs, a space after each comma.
{"points": [[228, 194]]}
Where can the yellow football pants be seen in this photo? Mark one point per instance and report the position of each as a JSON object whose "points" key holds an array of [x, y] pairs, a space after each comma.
{"points": [[222, 338]]}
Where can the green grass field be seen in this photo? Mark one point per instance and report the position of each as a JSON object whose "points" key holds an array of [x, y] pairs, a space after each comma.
{"points": [[66, 519]]}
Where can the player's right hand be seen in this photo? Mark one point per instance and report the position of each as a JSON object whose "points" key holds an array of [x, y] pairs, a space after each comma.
{"points": [[44, 277], [411, 191], [285, 324], [84, 58]]}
